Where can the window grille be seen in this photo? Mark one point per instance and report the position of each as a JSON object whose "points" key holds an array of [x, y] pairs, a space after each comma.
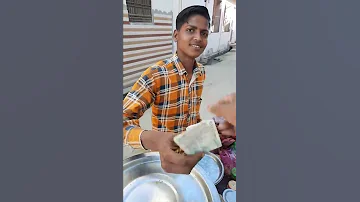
{"points": [[139, 10]]}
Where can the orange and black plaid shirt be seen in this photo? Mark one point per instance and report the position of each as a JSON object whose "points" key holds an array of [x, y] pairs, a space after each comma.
{"points": [[175, 101]]}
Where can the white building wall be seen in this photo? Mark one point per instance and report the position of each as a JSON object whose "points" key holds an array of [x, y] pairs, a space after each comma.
{"points": [[214, 38], [219, 41], [187, 3], [233, 25]]}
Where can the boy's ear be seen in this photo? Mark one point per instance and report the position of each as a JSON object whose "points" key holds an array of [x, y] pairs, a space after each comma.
{"points": [[175, 35]]}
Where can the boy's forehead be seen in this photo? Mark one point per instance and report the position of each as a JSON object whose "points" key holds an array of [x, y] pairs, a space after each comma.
{"points": [[197, 21]]}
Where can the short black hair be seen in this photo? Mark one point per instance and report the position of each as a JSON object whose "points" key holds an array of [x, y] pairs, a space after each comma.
{"points": [[190, 11]]}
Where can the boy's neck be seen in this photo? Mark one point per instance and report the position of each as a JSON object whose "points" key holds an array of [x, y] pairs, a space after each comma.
{"points": [[187, 62]]}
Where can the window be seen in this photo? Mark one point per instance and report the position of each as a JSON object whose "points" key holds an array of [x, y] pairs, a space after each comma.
{"points": [[139, 10], [215, 24]]}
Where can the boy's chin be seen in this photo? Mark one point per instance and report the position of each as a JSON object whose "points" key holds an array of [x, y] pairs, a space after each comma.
{"points": [[195, 55]]}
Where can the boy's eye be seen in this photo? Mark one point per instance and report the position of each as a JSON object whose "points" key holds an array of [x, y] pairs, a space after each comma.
{"points": [[190, 30], [204, 34]]}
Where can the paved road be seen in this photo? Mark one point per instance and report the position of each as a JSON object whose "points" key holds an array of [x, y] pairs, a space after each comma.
{"points": [[220, 81]]}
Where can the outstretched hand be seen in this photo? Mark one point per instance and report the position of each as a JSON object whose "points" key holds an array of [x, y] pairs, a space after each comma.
{"points": [[225, 129], [226, 107]]}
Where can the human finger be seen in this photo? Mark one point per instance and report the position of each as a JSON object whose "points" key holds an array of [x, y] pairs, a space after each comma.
{"points": [[225, 125], [228, 133]]}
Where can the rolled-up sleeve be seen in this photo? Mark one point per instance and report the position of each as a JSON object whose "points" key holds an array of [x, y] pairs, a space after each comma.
{"points": [[136, 102]]}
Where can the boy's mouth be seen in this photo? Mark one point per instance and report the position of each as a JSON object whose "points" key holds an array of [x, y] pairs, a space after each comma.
{"points": [[195, 46]]}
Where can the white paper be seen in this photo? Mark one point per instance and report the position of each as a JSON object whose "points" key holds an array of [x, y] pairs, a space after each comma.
{"points": [[200, 137]]}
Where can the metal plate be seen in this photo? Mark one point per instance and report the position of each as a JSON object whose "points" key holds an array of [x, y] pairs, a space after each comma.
{"points": [[145, 181], [213, 167]]}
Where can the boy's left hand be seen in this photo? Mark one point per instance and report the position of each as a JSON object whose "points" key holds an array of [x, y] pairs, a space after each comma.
{"points": [[225, 129]]}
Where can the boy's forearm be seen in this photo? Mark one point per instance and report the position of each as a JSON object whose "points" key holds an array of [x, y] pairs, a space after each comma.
{"points": [[151, 140]]}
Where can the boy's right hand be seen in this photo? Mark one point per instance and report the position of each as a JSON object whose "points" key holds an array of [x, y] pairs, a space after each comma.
{"points": [[173, 162]]}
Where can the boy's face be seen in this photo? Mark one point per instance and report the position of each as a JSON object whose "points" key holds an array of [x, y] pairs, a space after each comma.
{"points": [[192, 36]]}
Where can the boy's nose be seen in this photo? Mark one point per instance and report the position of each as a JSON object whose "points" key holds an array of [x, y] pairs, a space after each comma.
{"points": [[197, 38]]}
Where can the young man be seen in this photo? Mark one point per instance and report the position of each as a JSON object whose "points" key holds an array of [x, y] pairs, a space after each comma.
{"points": [[173, 89]]}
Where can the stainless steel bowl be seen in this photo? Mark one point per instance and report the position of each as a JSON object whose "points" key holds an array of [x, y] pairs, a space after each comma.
{"points": [[213, 167], [145, 181], [229, 195]]}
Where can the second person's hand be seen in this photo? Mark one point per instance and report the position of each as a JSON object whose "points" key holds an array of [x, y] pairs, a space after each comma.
{"points": [[225, 129], [225, 107]]}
